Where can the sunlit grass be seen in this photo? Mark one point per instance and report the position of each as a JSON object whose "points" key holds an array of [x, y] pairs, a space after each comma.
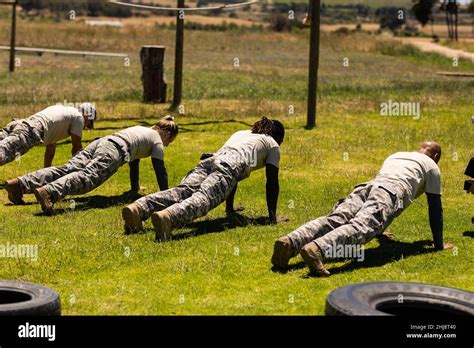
{"points": [[218, 265]]}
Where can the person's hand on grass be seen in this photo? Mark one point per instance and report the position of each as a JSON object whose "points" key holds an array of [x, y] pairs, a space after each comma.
{"points": [[278, 220], [448, 246], [387, 235], [235, 209], [135, 193], [471, 189]]}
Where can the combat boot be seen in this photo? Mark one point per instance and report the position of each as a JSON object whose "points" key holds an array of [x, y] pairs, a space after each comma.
{"points": [[132, 216], [313, 257], [162, 224], [283, 251], [44, 199], [15, 193]]}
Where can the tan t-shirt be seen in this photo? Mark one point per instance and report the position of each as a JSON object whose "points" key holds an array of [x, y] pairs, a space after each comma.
{"points": [[59, 123], [144, 142], [257, 150], [415, 172]]}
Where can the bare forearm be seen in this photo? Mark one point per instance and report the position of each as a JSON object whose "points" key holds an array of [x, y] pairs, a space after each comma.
{"points": [[436, 224], [230, 200], [135, 175], [161, 174], [75, 151], [273, 189], [48, 158], [272, 200], [76, 144], [436, 220]]}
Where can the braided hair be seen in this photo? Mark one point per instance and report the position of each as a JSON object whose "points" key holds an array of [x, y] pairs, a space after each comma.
{"points": [[273, 128]]}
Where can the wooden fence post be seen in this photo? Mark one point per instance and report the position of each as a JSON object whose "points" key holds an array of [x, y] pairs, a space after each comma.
{"points": [[178, 64], [315, 8], [154, 84], [13, 38]]}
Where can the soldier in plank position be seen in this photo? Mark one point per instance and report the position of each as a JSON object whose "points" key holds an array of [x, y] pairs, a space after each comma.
{"points": [[369, 209], [214, 181], [47, 127], [94, 165]]}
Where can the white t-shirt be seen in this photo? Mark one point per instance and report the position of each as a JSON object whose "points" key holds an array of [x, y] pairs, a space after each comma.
{"points": [[60, 122], [144, 142], [415, 172], [257, 150]]}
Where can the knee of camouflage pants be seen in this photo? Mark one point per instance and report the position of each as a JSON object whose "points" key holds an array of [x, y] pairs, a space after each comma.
{"points": [[213, 191], [106, 161], [376, 214]]}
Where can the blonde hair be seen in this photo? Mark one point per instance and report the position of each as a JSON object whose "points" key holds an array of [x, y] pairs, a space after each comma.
{"points": [[168, 124]]}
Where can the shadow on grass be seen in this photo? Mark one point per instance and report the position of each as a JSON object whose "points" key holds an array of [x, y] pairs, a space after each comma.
{"points": [[138, 123], [218, 225], [388, 251], [182, 126], [468, 234], [293, 267], [19, 205], [96, 202], [215, 122]]}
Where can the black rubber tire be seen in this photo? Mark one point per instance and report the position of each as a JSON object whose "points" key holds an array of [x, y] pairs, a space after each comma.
{"points": [[28, 299], [382, 298]]}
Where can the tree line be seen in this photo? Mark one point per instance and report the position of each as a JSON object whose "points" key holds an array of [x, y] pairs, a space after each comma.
{"points": [[92, 8], [424, 13]]}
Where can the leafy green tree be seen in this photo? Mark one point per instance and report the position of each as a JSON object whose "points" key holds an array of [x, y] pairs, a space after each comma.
{"points": [[423, 11]]}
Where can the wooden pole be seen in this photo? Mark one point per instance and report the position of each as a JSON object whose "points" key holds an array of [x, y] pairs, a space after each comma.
{"points": [[456, 9], [13, 38], [154, 85], [178, 61], [315, 6]]}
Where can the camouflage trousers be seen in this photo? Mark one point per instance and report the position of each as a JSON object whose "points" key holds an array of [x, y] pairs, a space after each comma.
{"points": [[86, 171], [355, 220], [17, 138], [203, 189]]}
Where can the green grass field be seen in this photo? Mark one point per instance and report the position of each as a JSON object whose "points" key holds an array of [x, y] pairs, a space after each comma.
{"points": [[218, 265]]}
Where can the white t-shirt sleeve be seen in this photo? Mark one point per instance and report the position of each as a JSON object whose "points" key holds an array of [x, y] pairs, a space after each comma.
{"points": [[77, 126], [433, 182], [273, 157], [158, 151]]}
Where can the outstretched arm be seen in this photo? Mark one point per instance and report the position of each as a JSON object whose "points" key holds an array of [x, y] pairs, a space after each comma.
{"points": [[229, 203], [436, 221], [273, 190], [135, 175], [49, 155], [76, 144], [161, 173]]}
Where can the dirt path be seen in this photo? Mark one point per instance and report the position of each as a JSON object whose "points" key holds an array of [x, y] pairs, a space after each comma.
{"points": [[425, 45]]}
